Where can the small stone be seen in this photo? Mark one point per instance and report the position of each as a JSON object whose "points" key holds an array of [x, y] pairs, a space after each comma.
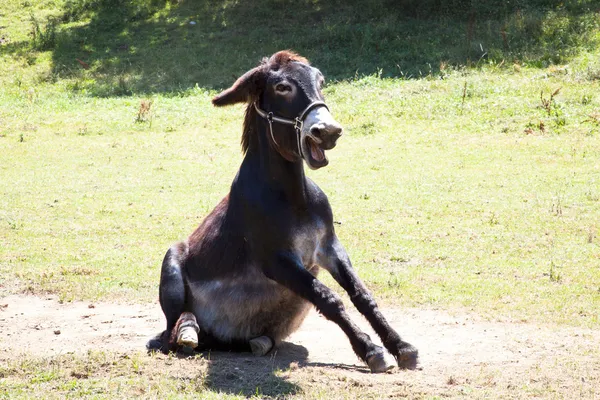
{"points": [[57, 332]]}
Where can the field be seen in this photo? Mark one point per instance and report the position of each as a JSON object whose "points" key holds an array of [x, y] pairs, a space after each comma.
{"points": [[466, 190]]}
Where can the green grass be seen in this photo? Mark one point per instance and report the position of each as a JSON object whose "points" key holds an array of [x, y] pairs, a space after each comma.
{"points": [[441, 203], [458, 189]]}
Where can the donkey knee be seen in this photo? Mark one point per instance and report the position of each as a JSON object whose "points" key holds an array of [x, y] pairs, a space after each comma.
{"points": [[364, 302], [331, 304]]}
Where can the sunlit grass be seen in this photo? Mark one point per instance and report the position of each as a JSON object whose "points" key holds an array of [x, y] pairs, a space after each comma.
{"points": [[440, 201], [468, 187]]}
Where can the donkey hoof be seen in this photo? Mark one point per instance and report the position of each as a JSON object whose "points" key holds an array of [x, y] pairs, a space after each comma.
{"points": [[187, 337], [261, 345], [380, 362], [408, 357]]}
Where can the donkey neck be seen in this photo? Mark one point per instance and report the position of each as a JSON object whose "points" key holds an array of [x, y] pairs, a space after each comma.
{"points": [[264, 163]]}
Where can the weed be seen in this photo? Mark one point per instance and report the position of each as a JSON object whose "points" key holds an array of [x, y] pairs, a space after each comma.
{"points": [[592, 194], [493, 220], [368, 128], [594, 118], [464, 96], [14, 225], [553, 274], [548, 103], [586, 99], [557, 205], [395, 281], [533, 127], [43, 37], [144, 112]]}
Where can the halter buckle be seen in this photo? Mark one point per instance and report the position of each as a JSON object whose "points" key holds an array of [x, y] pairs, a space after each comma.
{"points": [[298, 124]]}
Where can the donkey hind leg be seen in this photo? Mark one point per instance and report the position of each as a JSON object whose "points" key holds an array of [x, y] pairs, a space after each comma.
{"points": [[171, 296]]}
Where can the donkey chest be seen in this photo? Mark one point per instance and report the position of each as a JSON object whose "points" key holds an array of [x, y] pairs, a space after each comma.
{"points": [[309, 239]]}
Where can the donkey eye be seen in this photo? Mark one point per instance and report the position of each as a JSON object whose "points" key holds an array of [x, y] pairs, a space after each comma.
{"points": [[283, 88]]}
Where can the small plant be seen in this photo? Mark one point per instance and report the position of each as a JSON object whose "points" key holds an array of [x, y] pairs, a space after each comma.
{"points": [[553, 275], [591, 234], [532, 127], [368, 128], [557, 205], [464, 95], [548, 103], [586, 99], [43, 38], [144, 112], [594, 118], [493, 220]]}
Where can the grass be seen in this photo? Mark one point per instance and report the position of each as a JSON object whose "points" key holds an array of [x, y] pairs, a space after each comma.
{"points": [[450, 204], [465, 180], [109, 375]]}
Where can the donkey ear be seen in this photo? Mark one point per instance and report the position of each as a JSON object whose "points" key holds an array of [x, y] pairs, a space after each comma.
{"points": [[246, 87]]}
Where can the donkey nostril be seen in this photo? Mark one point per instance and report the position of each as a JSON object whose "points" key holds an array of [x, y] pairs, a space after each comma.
{"points": [[336, 130], [315, 131]]}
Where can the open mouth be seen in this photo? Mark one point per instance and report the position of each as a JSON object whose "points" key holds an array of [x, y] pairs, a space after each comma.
{"points": [[313, 153]]}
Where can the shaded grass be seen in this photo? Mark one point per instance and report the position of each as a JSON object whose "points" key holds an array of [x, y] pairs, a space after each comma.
{"points": [[113, 48]]}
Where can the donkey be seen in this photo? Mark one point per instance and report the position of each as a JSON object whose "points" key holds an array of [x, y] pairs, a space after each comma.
{"points": [[247, 277]]}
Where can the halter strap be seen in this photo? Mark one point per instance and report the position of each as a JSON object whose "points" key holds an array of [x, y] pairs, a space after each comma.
{"points": [[297, 122]]}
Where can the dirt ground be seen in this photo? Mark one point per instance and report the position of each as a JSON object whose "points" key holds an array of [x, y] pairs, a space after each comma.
{"points": [[460, 356]]}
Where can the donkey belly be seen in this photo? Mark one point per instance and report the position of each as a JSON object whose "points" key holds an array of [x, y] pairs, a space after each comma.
{"points": [[247, 307]]}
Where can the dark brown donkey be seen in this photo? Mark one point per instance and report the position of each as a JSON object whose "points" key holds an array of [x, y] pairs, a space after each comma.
{"points": [[247, 277]]}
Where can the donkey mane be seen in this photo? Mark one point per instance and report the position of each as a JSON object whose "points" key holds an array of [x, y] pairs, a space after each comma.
{"points": [[275, 62]]}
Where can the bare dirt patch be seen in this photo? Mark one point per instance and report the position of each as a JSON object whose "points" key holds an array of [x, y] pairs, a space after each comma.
{"points": [[460, 355]]}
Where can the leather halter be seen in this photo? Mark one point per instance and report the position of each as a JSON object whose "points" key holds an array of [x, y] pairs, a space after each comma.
{"points": [[297, 122]]}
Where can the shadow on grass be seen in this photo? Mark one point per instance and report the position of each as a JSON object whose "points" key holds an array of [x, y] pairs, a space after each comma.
{"points": [[111, 47], [245, 374]]}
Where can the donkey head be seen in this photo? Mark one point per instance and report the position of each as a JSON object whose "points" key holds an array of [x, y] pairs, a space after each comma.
{"points": [[286, 91]]}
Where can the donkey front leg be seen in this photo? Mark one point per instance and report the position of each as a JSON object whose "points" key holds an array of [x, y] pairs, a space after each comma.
{"points": [[336, 261], [288, 271]]}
